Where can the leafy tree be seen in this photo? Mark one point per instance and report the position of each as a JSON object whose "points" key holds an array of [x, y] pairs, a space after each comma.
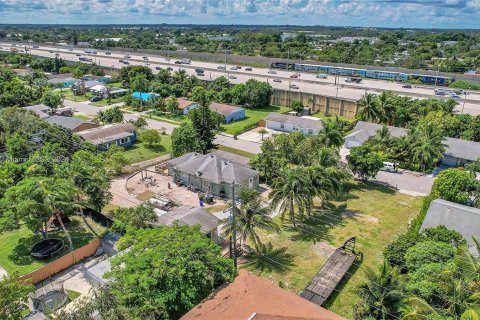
{"points": [[52, 99], [129, 73], [364, 162], [140, 217], [184, 140], [203, 122], [331, 135], [453, 185], [172, 105], [258, 93], [395, 251], [151, 137], [140, 122], [428, 252], [115, 159], [381, 294], [218, 84], [169, 268], [296, 106], [442, 234], [13, 297]]}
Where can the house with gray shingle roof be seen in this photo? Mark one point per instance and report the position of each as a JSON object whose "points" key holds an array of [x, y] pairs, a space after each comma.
{"points": [[458, 152], [71, 123], [212, 173], [454, 216], [287, 123]]}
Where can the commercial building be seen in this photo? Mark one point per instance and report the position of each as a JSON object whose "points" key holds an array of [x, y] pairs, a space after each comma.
{"points": [[212, 173], [120, 134], [287, 123]]}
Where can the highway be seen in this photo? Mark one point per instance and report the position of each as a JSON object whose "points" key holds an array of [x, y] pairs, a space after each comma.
{"points": [[307, 82]]}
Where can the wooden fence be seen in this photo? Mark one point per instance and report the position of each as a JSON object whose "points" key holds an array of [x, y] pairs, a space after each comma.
{"points": [[62, 263]]}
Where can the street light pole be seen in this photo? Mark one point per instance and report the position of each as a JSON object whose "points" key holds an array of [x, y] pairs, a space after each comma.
{"points": [[465, 98]]}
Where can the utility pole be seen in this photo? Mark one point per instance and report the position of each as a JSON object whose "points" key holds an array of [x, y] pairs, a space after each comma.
{"points": [[234, 247]]}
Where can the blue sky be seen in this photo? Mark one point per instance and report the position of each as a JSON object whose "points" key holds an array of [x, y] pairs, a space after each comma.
{"points": [[376, 13]]}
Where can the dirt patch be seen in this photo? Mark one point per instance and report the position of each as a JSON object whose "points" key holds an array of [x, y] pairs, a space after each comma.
{"points": [[361, 217], [324, 249], [144, 196]]}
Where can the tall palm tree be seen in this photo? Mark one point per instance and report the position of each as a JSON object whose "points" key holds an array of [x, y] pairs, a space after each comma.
{"points": [[140, 84], [180, 75], [427, 144], [381, 293], [368, 109], [292, 193], [386, 107], [250, 217]]}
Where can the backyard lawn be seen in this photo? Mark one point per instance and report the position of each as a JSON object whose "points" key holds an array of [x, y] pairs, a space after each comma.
{"points": [[82, 117], [139, 151], [68, 94], [15, 245], [104, 102], [168, 117], [252, 117], [237, 151], [322, 116], [372, 213]]}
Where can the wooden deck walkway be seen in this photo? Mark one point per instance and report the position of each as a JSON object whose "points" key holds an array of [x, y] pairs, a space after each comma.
{"points": [[327, 279]]}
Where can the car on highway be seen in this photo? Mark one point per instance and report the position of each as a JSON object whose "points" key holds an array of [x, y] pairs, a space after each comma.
{"points": [[294, 86], [78, 54], [353, 80], [108, 53], [127, 56], [147, 63], [199, 70], [126, 62], [232, 76], [35, 47], [221, 67], [233, 68], [145, 58], [121, 60], [178, 62], [200, 74], [277, 80], [95, 98], [454, 96], [248, 69], [440, 92], [51, 51], [321, 76], [170, 69], [158, 68], [56, 54], [294, 76], [407, 86], [272, 71], [70, 49]]}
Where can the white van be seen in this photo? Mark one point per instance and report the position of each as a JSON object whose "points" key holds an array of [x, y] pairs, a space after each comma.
{"points": [[390, 167], [322, 76]]}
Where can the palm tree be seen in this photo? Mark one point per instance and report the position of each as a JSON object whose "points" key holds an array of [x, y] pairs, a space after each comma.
{"points": [[427, 144], [386, 108], [58, 195], [180, 75], [381, 293], [368, 109], [140, 84], [331, 135], [292, 193], [250, 217], [263, 132]]}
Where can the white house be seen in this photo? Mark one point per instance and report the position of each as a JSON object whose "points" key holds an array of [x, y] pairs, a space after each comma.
{"points": [[286, 123], [185, 105]]}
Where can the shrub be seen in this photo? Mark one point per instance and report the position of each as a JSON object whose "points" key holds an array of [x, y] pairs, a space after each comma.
{"points": [[453, 185], [423, 282], [395, 252], [442, 234], [428, 252]]}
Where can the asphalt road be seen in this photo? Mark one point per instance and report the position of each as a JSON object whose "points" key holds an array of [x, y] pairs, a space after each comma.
{"points": [[307, 82]]}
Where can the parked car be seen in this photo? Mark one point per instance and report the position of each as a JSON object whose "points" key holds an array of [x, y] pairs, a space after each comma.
{"points": [[248, 69], [95, 98], [321, 76], [294, 86], [407, 86], [158, 68], [389, 167], [272, 71], [277, 80], [232, 76]]}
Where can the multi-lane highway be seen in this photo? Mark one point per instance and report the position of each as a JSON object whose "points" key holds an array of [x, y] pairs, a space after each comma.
{"points": [[281, 79]]}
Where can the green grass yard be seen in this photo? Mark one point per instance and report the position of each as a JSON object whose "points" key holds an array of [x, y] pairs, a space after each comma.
{"points": [[252, 118], [167, 117], [15, 245], [68, 94], [322, 116], [372, 213], [139, 151], [104, 102], [82, 117], [237, 152]]}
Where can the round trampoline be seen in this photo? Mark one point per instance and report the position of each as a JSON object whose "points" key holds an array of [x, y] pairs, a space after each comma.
{"points": [[47, 248], [50, 298]]}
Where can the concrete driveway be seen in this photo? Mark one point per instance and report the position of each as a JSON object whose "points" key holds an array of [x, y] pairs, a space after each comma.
{"points": [[413, 183]]}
